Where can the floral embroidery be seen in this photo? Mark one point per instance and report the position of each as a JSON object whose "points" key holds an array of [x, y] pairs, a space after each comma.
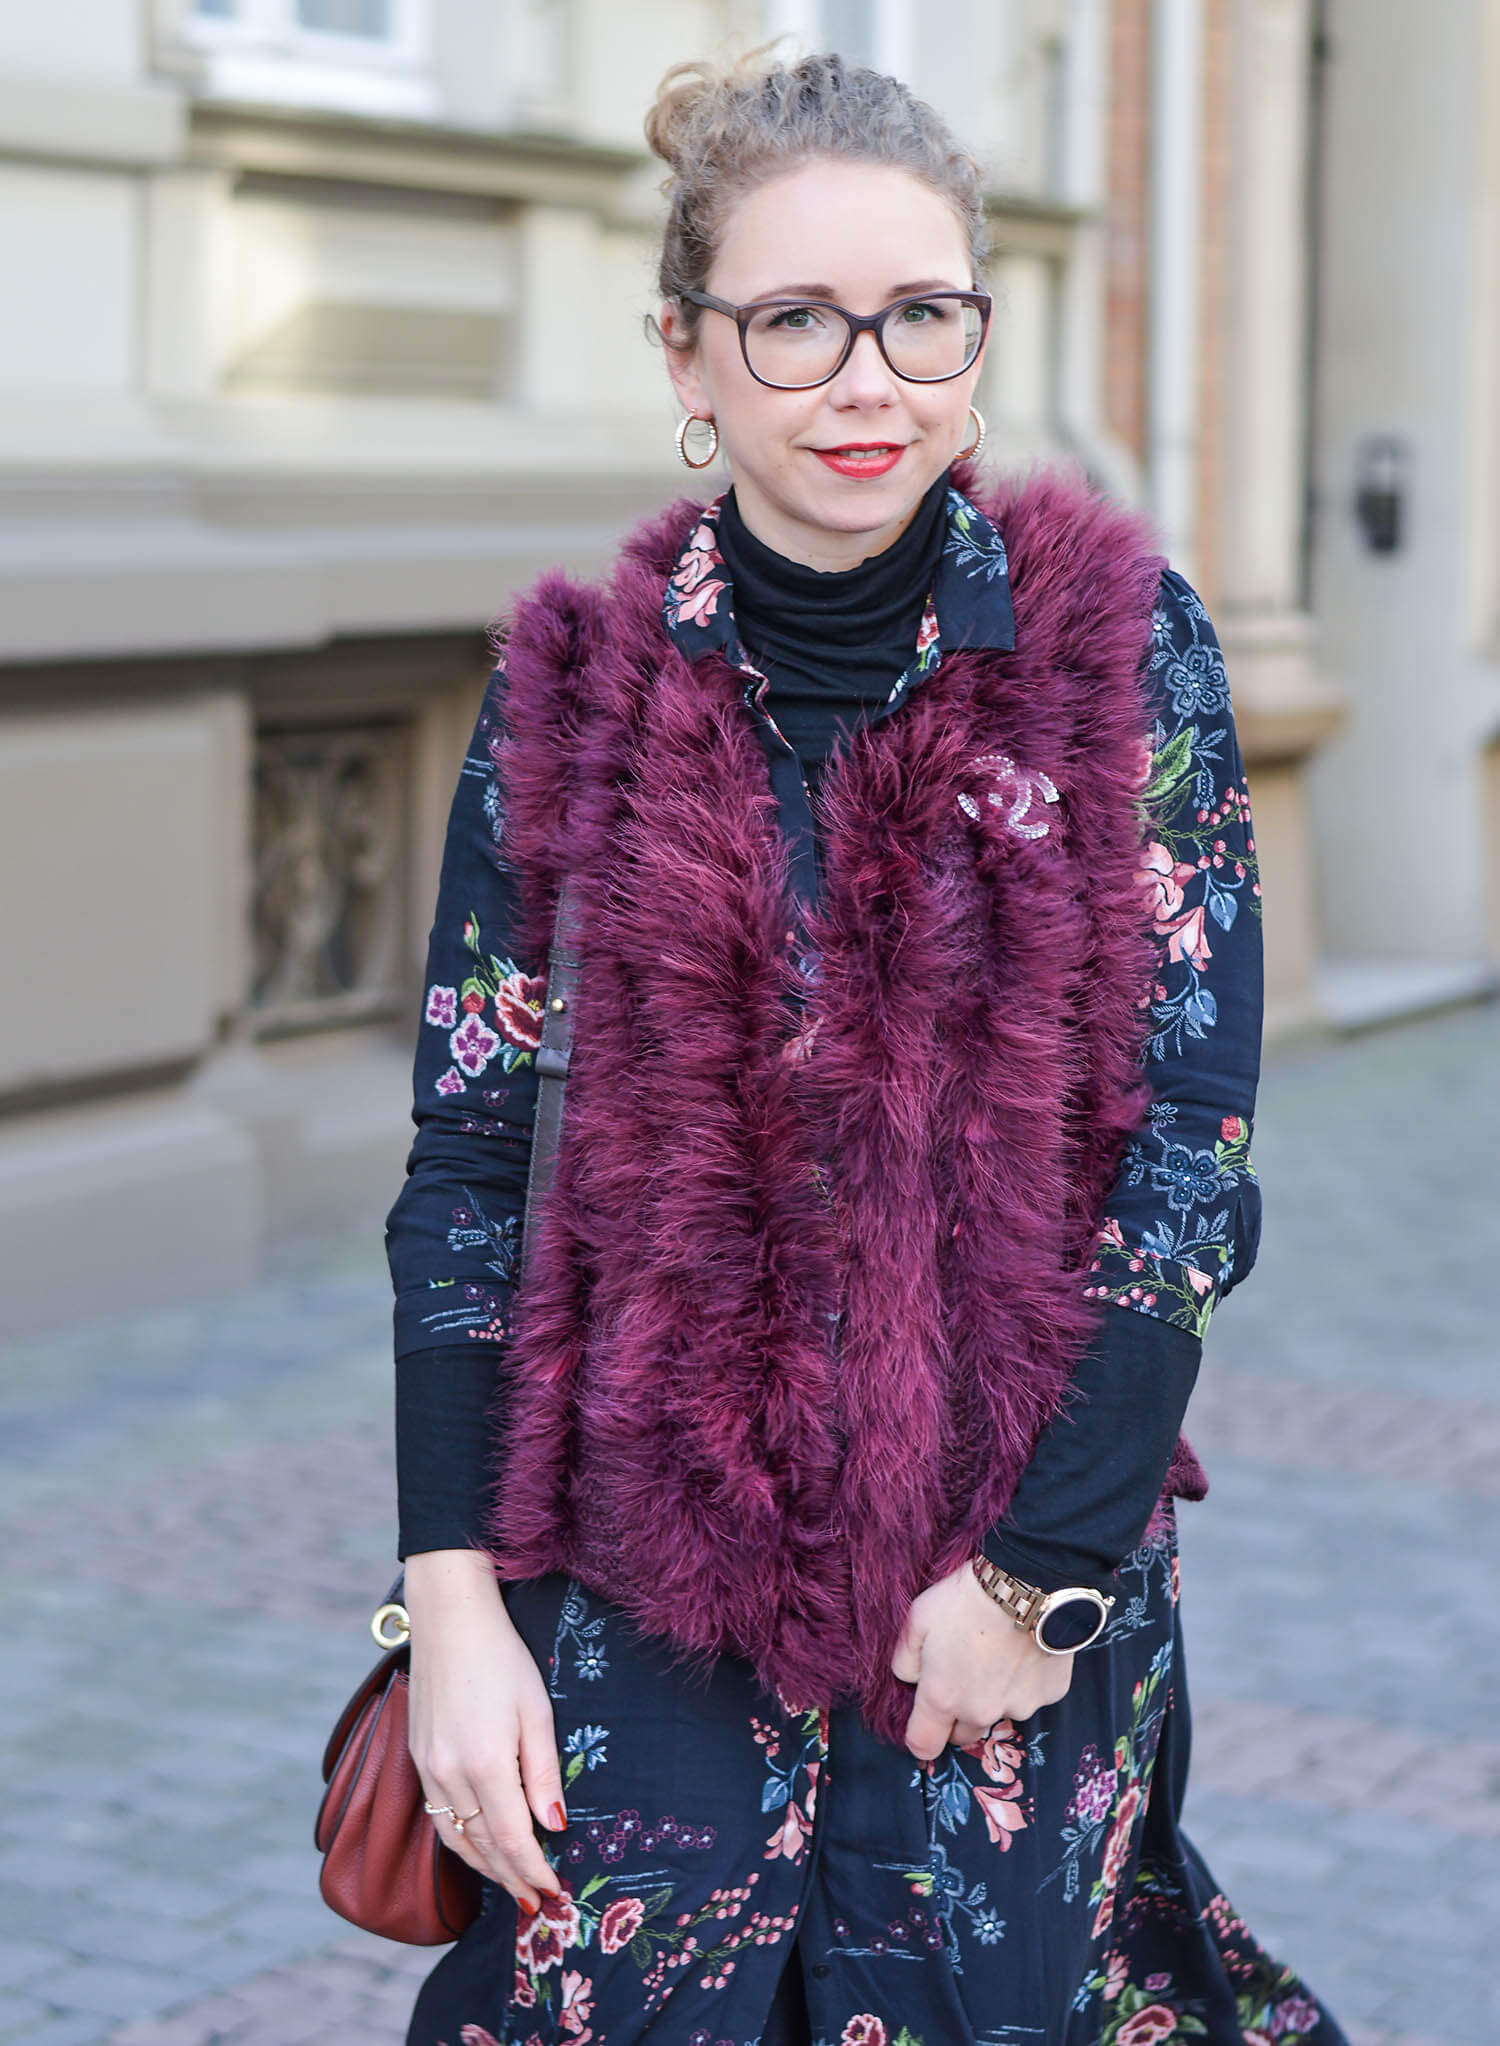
{"points": [[517, 999], [1186, 796], [694, 590], [574, 1625], [1135, 1753], [442, 1006], [451, 1082], [473, 1046], [1164, 1270], [973, 544], [585, 1746], [777, 1793]]}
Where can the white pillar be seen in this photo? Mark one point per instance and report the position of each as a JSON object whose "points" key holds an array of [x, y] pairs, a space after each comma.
{"points": [[1176, 208]]}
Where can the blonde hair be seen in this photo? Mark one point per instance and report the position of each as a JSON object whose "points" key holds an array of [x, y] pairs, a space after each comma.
{"points": [[722, 130]]}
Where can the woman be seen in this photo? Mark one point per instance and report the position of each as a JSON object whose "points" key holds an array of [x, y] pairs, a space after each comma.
{"points": [[918, 1036]]}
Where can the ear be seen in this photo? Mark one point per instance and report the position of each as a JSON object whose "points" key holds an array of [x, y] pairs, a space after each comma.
{"points": [[683, 365]]}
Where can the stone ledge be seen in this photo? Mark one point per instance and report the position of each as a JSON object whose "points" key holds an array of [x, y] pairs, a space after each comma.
{"points": [[123, 125]]}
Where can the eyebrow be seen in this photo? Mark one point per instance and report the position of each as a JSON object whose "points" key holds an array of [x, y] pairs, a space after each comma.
{"points": [[826, 291]]}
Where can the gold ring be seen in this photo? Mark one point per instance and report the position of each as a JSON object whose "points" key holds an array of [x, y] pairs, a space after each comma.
{"points": [[436, 1811], [459, 1824]]}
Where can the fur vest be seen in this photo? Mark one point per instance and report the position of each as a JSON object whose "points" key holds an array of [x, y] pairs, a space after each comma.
{"points": [[811, 1279]]}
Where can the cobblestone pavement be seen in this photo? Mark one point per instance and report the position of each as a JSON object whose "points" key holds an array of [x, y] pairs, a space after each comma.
{"points": [[201, 1517]]}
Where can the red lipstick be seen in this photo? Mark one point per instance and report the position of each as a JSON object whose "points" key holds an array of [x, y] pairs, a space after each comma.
{"points": [[861, 458]]}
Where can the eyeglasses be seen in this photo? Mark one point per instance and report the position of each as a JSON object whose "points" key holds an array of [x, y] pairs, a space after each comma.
{"points": [[792, 344]]}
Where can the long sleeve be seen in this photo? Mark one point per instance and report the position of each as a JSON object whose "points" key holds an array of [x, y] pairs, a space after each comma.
{"points": [[1182, 1226], [453, 1236]]}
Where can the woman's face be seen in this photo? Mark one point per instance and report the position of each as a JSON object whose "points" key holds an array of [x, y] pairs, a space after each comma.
{"points": [[859, 235]]}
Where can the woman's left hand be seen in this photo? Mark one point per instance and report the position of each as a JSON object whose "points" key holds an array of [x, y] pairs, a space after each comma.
{"points": [[971, 1665]]}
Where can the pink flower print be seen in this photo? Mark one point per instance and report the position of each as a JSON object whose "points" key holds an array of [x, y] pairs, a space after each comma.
{"points": [[1145, 760], [700, 604], [442, 1006], [1200, 1282], [450, 1082], [999, 1752], [1093, 1789], [695, 588], [523, 1993], [541, 1944], [620, 1923], [1162, 879], [1231, 1129], [1155, 1984], [473, 1044], [1294, 2014], [1104, 1916], [864, 2030], [1188, 938], [1116, 1975], [1003, 1814], [518, 1008], [577, 2002], [1117, 1851], [927, 632], [791, 1835], [476, 2035], [1149, 2026]]}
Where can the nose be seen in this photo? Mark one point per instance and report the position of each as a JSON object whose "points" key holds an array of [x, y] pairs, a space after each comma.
{"points": [[866, 378]]}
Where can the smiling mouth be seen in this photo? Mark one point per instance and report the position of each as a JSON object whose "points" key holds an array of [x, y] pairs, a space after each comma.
{"points": [[862, 450]]}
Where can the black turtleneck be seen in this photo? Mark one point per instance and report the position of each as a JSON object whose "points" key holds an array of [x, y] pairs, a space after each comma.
{"points": [[831, 642]]}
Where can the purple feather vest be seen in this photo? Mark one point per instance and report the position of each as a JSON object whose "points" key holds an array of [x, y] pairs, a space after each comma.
{"points": [[688, 1437]]}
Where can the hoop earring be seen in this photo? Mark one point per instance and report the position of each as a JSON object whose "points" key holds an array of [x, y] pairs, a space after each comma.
{"points": [[970, 453], [695, 419]]}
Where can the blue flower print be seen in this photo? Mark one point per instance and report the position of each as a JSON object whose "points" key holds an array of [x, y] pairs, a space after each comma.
{"points": [[586, 1745]]}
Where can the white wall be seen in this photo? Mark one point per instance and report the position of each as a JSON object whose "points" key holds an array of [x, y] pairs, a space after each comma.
{"points": [[102, 40], [68, 255], [1396, 792]]}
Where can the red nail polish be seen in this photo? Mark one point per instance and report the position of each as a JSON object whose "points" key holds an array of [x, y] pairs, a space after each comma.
{"points": [[557, 1818], [529, 1909]]}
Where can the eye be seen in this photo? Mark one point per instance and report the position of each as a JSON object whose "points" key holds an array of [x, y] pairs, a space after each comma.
{"points": [[923, 314], [795, 319]]}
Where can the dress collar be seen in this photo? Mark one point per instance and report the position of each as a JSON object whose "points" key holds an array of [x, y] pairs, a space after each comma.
{"points": [[969, 604]]}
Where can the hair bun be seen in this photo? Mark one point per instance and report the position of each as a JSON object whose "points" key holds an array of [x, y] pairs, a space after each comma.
{"points": [[681, 100]]}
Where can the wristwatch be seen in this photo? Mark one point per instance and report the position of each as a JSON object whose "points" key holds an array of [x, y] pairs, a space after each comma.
{"points": [[1059, 1622]]}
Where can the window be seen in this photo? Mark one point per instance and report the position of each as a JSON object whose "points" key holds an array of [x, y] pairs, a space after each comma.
{"points": [[365, 56], [875, 32]]}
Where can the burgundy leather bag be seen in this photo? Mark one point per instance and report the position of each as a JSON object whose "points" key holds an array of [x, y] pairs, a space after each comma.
{"points": [[385, 1866]]}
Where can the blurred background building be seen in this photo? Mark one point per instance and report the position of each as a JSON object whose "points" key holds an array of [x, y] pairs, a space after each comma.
{"points": [[323, 333]]}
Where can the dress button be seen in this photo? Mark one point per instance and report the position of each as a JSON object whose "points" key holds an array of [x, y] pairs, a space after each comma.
{"points": [[820, 1969]]}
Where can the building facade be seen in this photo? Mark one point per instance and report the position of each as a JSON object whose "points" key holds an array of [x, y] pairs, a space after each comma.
{"points": [[326, 334]]}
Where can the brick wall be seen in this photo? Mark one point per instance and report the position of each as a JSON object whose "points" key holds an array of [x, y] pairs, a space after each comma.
{"points": [[1127, 259]]}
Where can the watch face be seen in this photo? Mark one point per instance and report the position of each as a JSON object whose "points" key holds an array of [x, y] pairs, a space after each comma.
{"points": [[1070, 1621]]}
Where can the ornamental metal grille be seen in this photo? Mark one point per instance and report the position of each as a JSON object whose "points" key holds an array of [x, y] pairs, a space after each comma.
{"points": [[331, 838]]}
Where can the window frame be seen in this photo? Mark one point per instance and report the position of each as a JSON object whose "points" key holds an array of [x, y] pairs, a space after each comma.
{"points": [[269, 30]]}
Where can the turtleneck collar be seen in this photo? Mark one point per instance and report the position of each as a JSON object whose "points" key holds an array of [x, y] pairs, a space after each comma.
{"points": [[832, 643]]}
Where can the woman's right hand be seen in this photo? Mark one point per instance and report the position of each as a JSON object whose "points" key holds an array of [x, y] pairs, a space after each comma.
{"points": [[481, 1730]]}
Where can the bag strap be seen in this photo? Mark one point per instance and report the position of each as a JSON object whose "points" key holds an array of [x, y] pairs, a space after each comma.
{"points": [[564, 971]]}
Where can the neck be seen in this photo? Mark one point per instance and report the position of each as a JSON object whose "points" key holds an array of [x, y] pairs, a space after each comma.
{"points": [[818, 547]]}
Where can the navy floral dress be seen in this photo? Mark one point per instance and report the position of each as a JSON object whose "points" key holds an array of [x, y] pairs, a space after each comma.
{"points": [[737, 1874]]}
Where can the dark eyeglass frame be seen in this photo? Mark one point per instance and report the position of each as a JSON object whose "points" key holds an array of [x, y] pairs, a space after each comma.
{"points": [[857, 324]]}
